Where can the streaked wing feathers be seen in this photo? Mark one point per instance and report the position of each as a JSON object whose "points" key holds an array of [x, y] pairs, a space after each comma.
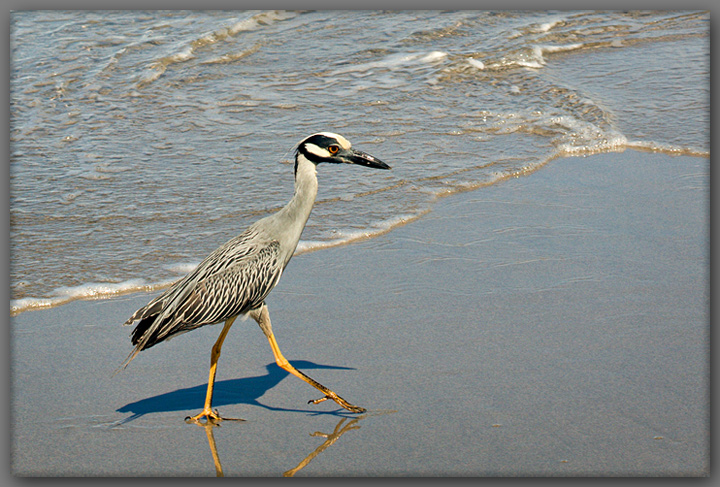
{"points": [[232, 280]]}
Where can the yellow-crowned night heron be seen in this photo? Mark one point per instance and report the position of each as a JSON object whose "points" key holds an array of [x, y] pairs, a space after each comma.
{"points": [[236, 278]]}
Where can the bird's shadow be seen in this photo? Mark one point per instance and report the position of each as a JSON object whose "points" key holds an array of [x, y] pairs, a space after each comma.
{"points": [[246, 390]]}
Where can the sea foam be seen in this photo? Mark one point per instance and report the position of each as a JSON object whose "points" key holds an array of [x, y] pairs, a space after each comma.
{"points": [[93, 290]]}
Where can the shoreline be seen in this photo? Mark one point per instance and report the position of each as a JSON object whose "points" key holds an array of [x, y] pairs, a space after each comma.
{"points": [[552, 325], [111, 290]]}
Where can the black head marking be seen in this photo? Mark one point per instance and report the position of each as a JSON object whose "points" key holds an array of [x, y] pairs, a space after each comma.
{"points": [[320, 140]]}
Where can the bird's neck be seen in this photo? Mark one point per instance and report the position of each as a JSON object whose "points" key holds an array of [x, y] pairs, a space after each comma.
{"points": [[306, 187], [292, 218]]}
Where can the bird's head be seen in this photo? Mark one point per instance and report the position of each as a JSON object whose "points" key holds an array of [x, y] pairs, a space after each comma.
{"points": [[334, 148]]}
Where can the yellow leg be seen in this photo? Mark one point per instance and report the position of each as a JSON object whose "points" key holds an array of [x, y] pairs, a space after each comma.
{"points": [[262, 316], [207, 411]]}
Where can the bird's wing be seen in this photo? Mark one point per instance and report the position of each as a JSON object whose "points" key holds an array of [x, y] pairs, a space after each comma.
{"points": [[232, 280], [241, 247], [241, 285]]}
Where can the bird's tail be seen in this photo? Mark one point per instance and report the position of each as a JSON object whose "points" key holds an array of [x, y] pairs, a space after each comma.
{"points": [[138, 347], [126, 361], [146, 316]]}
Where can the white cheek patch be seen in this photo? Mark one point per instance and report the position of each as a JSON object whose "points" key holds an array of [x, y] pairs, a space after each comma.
{"points": [[318, 151]]}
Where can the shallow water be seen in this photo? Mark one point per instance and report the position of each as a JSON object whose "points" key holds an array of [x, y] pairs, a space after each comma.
{"points": [[140, 141]]}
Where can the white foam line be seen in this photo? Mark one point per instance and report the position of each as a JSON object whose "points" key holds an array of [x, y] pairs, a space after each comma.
{"points": [[668, 149], [349, 237], [65, 295]]}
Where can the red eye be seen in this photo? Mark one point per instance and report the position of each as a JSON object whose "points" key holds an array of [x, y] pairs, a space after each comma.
{"points": [[333, 149]]}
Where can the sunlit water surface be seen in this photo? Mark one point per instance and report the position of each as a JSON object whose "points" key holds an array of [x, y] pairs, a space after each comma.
{"points": [[140, 141]]}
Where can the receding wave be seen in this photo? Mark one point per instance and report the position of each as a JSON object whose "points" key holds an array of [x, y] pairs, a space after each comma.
{"points": [[343, 238], [669, 149], [88, 291], [614, 143], [100, 290], [85, 291]]}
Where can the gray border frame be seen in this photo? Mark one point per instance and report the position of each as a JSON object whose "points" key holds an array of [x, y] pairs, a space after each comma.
{"points": [[10, 5]]}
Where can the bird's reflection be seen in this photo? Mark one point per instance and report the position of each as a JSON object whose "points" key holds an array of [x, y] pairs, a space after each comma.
{"points": [[208, 426], [331, 438], [343, 426]]}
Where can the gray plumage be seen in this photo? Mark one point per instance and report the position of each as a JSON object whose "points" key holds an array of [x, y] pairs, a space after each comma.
{"points": [[231, 281], [236, 278]]}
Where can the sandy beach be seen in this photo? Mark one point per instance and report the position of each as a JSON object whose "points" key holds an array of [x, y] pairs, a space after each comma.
{"points": [[549, 325]]}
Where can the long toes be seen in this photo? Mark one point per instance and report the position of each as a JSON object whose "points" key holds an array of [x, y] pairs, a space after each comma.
{"points": [[211, 417], [318, 401], [198, 419], [356, 409], [342, 402]]}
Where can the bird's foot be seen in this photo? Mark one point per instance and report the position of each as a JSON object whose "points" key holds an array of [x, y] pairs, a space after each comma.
{"points": [[340, 401], [211, 417]]}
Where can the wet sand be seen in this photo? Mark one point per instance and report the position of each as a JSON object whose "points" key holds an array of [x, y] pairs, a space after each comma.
{"points": [[551, 325]]}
